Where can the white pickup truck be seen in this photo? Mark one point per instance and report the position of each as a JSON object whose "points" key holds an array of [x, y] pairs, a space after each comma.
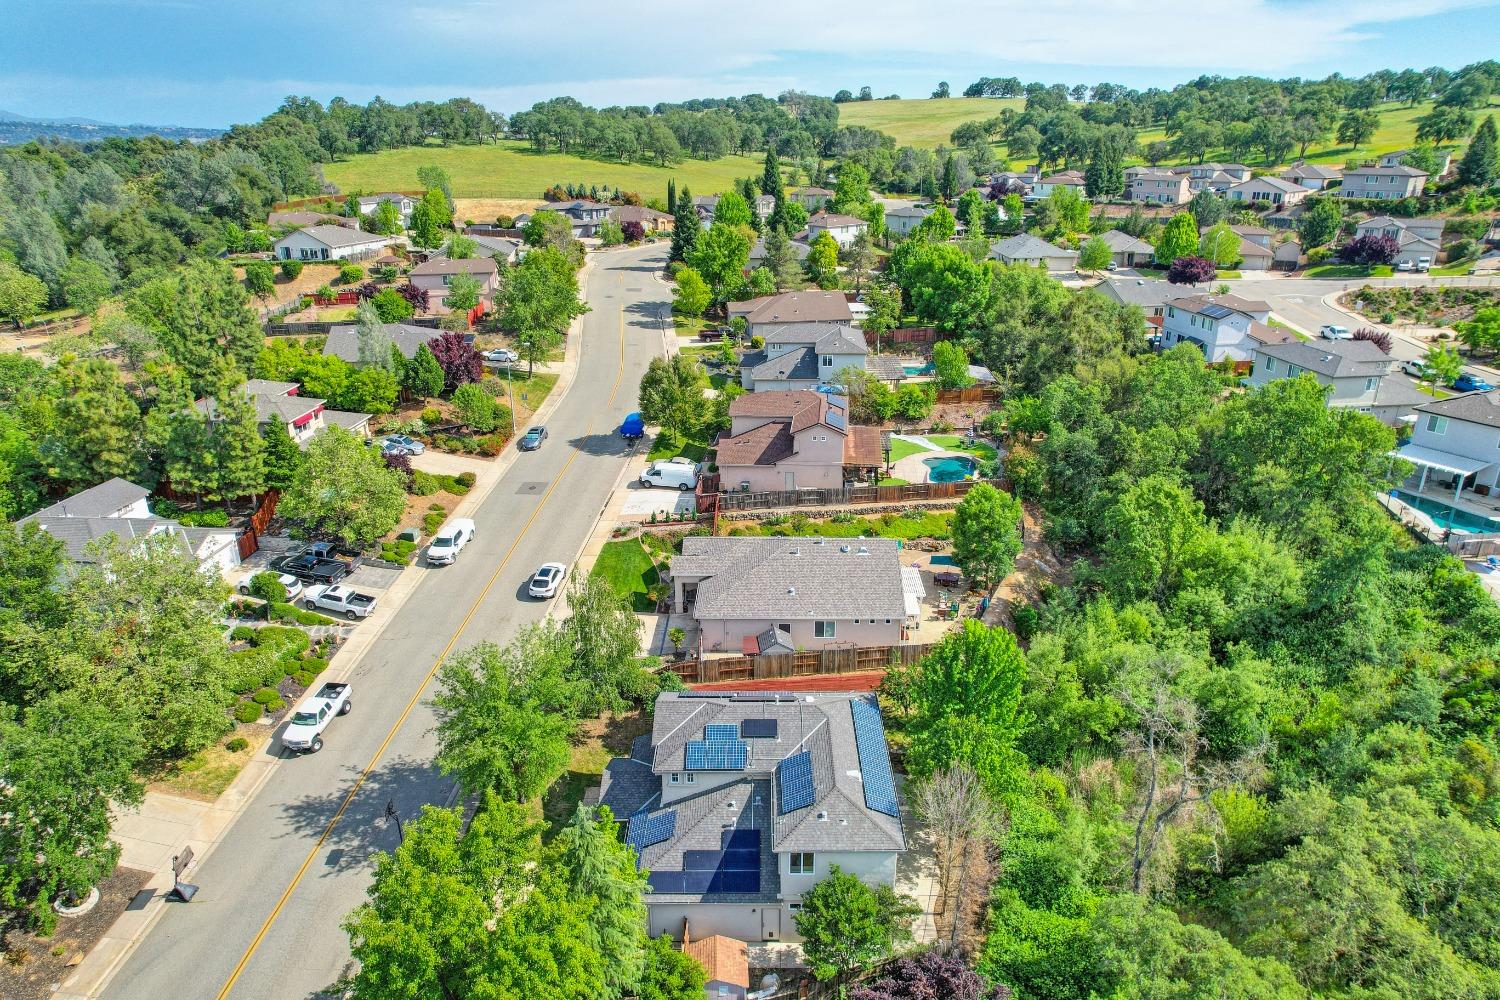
{"points": [[340, 600], [305, 730]]}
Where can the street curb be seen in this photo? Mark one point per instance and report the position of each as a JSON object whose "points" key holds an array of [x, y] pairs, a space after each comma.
{"points": [[571, 359]]}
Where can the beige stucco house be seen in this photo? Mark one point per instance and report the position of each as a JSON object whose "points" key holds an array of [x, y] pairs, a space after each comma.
{"points": [[793, 440], [437, 274], [1383, 183]]}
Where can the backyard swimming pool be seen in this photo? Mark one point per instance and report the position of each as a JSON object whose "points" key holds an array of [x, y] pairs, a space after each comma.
{"points": [[949, 468], [917, 368], [1444, 516]]}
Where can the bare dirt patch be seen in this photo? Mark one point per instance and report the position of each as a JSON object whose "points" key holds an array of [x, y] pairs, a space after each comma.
{"points": [[313, 277], [33, 967], [483, 210]]}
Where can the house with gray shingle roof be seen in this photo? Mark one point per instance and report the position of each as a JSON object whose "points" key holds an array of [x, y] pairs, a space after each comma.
{"points": [[343, 341], [1034, 251], [739, 803], [1356, 374], [801, 356], [1383, 183], [118, 507], [1126, 250], [1223, 327], [303, 416], [324, 242]]}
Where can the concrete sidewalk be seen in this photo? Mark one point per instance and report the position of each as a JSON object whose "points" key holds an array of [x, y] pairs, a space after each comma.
{"points": [[165, 824]]}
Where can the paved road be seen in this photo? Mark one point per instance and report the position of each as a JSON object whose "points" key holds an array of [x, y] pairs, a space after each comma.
{"points": [[541, 511]]}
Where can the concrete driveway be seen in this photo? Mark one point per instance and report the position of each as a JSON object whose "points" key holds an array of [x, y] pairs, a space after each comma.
{"points": [[640, 502]]}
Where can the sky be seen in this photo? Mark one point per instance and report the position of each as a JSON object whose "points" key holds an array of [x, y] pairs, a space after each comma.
{"points": [[211, 63]]}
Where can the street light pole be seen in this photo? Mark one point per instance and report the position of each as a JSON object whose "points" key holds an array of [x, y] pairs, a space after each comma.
{"points": [[391, 814]]}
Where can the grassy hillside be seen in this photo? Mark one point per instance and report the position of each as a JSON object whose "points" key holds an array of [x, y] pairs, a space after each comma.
{"points": [[512, 170], [923, 123]]}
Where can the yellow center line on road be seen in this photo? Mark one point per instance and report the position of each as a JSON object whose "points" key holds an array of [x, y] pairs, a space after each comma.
{"points": [[270, 920]]}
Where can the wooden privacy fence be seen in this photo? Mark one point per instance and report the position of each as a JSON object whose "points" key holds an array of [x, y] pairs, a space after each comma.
{"points": [[906, 335], [844, 660], [348, 297], [249, 540], [845, 495], [315, 327], [973, 394]]}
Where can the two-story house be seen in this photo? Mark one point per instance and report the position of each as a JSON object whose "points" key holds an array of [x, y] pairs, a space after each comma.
{"points": [[737, 804], [1044, 186], [303, 416], [1383, 183], [369, 204], [1272, 190], [1313, 176], [1254, 250], [324, 242], [1215, 177], [1223, 327], [792, 307], [812, 198], [1024, 248], [584, 215], [1415, 238], [1455, 446], [900, 222], [118, 507], [1164, 187], [843, 228], [436, 275], [1442, 160], [649, 219], [1356, 373], [1149, 294], [794, 440], [802, 356]]}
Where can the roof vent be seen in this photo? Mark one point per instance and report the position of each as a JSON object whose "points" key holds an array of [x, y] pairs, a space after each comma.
{"points": [[823, 815], [863, 551], [795, 552], [730, 804], [791, 591], [843, 548]]}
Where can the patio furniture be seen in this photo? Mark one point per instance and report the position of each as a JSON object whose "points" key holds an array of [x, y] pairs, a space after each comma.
{"points": [[947, 578], [1493, 562]]}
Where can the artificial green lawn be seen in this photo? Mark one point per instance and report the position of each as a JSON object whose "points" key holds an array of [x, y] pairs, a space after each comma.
{"points": [[902, 449], [626, 566], [934, 524], [955, 442], [1348, 271]]}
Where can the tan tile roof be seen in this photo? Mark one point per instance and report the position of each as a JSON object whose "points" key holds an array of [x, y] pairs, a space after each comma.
{"points": [[724, 959]]}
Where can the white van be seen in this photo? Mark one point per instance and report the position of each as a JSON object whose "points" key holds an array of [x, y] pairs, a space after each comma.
{"points": [[673, 475], [449, 541]]}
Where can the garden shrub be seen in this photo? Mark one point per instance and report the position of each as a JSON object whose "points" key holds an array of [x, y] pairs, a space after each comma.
{"points": [[433, 521], [467, 479], [268, 587], [290, 269], [265, 696], [247, 711], [313, 666], [291, 613], [243, 633], [281, 637], [423, 484], [275, 705], [237, 744], [205, 519], [1025, 619], [399, 551], [350, 273], [432, 415]]}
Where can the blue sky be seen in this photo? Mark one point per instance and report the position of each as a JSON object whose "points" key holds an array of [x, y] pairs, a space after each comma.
{"points": [[215, 62]]}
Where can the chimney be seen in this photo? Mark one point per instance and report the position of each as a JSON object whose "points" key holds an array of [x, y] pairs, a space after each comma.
{"points": [[685, 939]]}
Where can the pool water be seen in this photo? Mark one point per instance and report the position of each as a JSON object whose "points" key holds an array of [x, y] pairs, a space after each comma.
{"points": [[949, 469], [917, 368], [1446, 517]]}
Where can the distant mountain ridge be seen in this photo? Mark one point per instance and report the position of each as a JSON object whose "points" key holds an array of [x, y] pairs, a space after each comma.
{"points": [[16, 128]]}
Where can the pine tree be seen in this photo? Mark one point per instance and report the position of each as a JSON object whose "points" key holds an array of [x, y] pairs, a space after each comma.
{"points": [[374, 342], [602, 869], [282, 456], [238, 448], [1480, 166], [781, 261], [180, 436], [671, 196], [770, 183], [685, 227]]}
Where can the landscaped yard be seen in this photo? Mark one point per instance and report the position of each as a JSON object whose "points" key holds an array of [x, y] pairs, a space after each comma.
{"points": [[903, 449], [598, 740], [509, 169], [1455, 269], [668, 445], [690, 326], [629, 570], [1348, 271], [933, 524], [956, 442], [525, 395], [204, 775]]}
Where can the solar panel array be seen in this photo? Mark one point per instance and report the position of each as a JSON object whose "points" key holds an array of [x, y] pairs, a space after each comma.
{"points": [[647, 830], [836, 419], [720, 755], [758, 729], [794, 783], [1215, 311], [735, 867], [874, 758], [718, 731]]}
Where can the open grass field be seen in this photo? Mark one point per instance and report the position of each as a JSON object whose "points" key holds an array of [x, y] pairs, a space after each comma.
{"points": [[920, 123], [511, 170]]}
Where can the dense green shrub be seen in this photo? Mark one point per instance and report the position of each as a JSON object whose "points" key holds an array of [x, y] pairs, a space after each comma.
{"points": [[290, 269], [433, 521], [243, 633], [291, 613], [268, 587], [265, 696], [423, 484], [280, 638], [275, 705], [205, 518], [350, 273], [247, 711], [237, 744], [432, 415]]}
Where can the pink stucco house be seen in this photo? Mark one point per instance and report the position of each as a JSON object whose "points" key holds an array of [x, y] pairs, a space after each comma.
{"points": [[437, 274], [793, 440]]}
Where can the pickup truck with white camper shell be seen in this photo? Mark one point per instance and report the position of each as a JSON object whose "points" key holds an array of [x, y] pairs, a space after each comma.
{"points": [[304, 730], [344, 601]]}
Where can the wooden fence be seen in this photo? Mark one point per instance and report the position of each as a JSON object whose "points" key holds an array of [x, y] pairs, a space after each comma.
{"points": [[249, 540], [846, 495], [319, 327], [906, 335], [846, 660], [344, 298], [973, 394]]}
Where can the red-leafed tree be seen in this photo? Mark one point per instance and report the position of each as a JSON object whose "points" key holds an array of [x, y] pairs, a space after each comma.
{"points": [[461, 364], [633, 231], [416, 296], [1379, 338], [928, 976], [1373, 248], [1191, 271]]}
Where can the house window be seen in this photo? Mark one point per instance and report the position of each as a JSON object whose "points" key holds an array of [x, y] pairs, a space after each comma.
{"points": [[675, 778], [823, 630], [1270, 365], [689, 779], [1371, 384], [802, 864], [827, 361], [1436, 424]]}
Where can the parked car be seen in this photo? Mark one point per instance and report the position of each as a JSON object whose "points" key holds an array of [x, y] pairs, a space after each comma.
{"points": [[1406, 265], [532, 439], [291, 583], [1331, 331], [310, 568], [305, 730], [344, 601], [450, 541], [1415, 367], [501, 356], [408, 444], [1424, 263], [633, 428], [1469, 382], [546, 580], [672, 475]]}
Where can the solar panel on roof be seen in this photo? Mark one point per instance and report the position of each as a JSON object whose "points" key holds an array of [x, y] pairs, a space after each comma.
{"points": [[836, 420], [719, 731], [758, 729], [647, 830], [1215, 311], [794, 783], [874, 758], [725, 755]]}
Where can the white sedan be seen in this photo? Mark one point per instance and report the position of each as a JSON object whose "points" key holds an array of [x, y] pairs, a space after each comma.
{"points": [[291, 583], [546, 581], [501, 356]]}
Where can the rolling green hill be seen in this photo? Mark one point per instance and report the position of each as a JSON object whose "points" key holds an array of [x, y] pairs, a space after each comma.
{"points": [[511, 170], [923, 123]]}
